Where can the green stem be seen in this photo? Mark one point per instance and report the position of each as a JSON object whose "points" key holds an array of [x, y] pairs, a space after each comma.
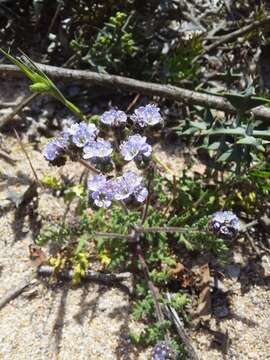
{"points": [[167, 229], [73, 108], [153, 289], [236, 132]]}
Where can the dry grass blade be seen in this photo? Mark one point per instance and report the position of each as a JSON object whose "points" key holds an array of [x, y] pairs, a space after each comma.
{"points": [[26, 154], [6, 118]]}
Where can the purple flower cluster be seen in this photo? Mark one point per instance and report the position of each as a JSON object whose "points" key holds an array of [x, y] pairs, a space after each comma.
{"points": [[135, 148], [99, 148], [114, 118], [55, 147], [224, 224], [146, 115], [82, 133], [162, 351], [104, 191], [130, 184], [82, 136], [81, 139], [143, 116]]}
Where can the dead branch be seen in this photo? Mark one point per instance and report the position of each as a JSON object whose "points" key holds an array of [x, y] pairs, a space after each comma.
{"points": [[47, 271], [174, 318], [258, 24], [18, 290], [136, 86], [7, 158]]}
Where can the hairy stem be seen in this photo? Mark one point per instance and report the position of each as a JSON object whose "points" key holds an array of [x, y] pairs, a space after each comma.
{"points": [[73, 108], [167, 229], [152, 288]]}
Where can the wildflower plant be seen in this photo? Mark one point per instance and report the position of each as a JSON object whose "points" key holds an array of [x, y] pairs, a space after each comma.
{"points": [[131, 222], [80, 139]]}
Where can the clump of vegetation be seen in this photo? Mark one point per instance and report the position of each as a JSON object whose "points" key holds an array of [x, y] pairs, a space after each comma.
{"points": [[141, 219], [120, 37]]}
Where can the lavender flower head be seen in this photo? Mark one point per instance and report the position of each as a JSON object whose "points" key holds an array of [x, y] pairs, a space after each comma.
{"points": [[146, 115], [101, 191], [162, 351], [99, 148], [135, 147], [82, 133], [224, 224], [55, 147], [130, 184], [114, 118], [104, 191]]}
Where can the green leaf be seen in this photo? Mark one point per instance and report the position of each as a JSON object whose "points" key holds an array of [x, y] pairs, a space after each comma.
{"points": [[226, 155], [41, 82], [24, 68], [189, 131], [81, 244], [214, 146], [183, 240], [252, 141], [227, 131], [242, 101], [35, 74], [198, 125], [208, 117], [245, 102], [40, 87]]}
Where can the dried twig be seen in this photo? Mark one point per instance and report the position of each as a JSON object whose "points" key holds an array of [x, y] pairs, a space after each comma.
{"points": [[174, 318], [18, 290], [54, 18], [106, 279], [152, 288], [252, 243], [26, 100], [88, 166], [257, 24], [173, 196], [47, 271], [190, 14], [167, 91], [26, 155], [113, 235], [249, 225], [7, 158], [133, 102], [146, 207]]}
